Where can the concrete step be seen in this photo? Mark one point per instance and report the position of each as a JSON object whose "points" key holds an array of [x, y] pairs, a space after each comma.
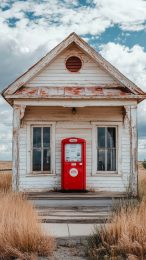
{"points": [[58, 199], [73, 203]]}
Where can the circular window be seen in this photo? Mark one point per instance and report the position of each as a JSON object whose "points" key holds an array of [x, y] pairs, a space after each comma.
{"points": [[73, 64]]}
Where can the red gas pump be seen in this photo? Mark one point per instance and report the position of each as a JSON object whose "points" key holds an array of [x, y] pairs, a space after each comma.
{"points": [[73, 164]]}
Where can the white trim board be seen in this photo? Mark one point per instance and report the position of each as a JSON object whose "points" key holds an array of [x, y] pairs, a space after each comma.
{"points": [[75, 103]]}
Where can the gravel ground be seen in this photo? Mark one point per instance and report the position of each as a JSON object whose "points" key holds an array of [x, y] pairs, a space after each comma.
{"points": [[69, 253], [76, 252]]}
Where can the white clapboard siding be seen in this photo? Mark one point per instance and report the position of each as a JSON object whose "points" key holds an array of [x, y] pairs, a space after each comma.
{"points": [[56, 74], [67, 126]]}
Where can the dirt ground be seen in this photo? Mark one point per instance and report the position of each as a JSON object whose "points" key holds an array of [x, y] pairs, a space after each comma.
{"points": [[76, 252]]}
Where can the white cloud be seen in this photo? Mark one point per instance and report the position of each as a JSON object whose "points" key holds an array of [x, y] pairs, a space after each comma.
{"points": [[132, 63], [130, 15], [56, 19], [23, 45]]}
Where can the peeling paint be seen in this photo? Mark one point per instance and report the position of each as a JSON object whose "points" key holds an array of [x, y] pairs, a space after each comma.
{"points": [[46, 92]]}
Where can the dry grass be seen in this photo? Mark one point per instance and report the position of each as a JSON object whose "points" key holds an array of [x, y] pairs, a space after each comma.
{"points": [[125, 236], [142, 181], [5, 182], [5, 176], [20, 233]]}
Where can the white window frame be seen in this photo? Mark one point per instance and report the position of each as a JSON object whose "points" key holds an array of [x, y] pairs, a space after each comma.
{"points": [[117, 125], [30, 127]]}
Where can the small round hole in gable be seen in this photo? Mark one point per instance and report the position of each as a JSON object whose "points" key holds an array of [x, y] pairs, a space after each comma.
{"points": [[73, 64]]}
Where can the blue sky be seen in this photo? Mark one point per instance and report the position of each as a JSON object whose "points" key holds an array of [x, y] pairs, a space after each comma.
{"points": [[29, 29]]}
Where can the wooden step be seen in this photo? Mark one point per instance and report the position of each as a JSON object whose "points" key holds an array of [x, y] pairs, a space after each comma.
{"points": [[67, 196], [74, 215]]}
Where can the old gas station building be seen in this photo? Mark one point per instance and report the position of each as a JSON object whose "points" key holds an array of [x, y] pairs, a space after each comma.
{"points": [[74, 123]]}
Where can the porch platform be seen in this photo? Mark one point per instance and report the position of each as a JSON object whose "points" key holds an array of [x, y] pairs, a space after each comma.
{"points": [[56, 195]]}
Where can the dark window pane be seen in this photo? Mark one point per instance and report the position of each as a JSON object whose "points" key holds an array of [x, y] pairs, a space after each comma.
{"points": [[111, 160], [101, 137], [46, 137], [111, 137], [101, 160], [37, 137], [46, 160], [36, 160]]}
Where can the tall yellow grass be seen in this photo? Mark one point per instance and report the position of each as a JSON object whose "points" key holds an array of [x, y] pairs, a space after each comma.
{"points": [[20, 233], [125, 236], [142, 183], [5, 181]]}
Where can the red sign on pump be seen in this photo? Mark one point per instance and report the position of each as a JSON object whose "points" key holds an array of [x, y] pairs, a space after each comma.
{"points": [[73, 164]]}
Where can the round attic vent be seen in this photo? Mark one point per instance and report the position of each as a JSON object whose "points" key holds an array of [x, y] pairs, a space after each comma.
{"points": [[73, 64]]}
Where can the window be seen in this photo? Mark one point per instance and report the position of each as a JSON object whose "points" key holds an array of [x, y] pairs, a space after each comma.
{"points": [[106, 149], [41, 158]]}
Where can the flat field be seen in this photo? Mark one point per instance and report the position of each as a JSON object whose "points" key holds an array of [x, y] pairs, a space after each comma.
{"points": [[5, 166]]}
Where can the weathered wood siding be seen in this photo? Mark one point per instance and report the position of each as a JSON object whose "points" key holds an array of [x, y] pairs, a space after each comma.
{"points": [[65, 114], [56, 73], [79, 125]]}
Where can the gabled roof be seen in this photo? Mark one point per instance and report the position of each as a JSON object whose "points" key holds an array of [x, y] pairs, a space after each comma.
{"points": [[72, 38]]}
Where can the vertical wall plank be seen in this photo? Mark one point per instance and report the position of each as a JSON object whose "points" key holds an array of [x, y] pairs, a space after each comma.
{"points": [[131, 122], [15, 152], [134, 152]]}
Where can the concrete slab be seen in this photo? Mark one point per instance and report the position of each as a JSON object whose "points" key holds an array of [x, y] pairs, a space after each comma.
{"points": [[55, 229], [80, 229], [67, 230], [72, 203]]}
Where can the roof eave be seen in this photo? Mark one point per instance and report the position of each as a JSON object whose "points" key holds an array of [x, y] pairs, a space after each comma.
{"points": [[138, 98]]}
